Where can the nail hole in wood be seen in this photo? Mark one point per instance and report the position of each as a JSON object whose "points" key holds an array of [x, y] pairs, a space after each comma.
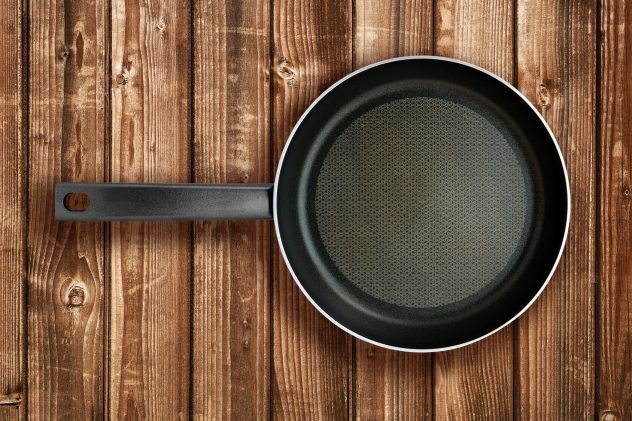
{"points": [[76, 202]]}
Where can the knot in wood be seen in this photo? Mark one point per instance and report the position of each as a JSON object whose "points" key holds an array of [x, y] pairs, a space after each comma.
{"points": [[546, 90], [608, 416], [64, 53], [370, 352], [121, 79], [285, 70], [76, 296], [544, 97]]}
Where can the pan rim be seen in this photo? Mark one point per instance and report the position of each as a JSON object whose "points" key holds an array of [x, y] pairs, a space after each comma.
{"points": [[289, 141]]}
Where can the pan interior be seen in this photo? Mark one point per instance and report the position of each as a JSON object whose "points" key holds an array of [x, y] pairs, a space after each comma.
{"points": [[423, 202]]}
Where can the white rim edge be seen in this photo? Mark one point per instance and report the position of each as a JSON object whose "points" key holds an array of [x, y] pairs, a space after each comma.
{"points": [[280, 165]]}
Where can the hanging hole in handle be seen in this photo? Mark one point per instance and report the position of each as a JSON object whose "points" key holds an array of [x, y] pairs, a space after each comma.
{"points": [[76, 202]]}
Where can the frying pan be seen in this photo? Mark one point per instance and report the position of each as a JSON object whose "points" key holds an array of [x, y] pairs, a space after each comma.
{"points": [[420, 203]]}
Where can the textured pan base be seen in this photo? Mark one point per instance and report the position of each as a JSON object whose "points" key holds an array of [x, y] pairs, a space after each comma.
{"points": [[422, 202]]}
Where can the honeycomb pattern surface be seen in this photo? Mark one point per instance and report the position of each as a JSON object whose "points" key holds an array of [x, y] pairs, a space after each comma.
{"points": [[422, 202]]}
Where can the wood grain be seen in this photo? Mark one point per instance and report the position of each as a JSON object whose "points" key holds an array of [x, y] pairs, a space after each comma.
{"points": [[556, 70], [312, 358], [481, 33], [12, 215], [231, 344], [614, 334], [111, 337], [476, 382], [150, 262], [391, 385], [392, 28], [65, 260]]}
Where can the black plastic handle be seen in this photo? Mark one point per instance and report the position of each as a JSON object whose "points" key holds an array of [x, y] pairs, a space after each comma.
{"points": [[179, 202]]}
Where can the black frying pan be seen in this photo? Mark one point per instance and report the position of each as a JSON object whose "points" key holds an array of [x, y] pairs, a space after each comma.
{"points": [[420, 203]]}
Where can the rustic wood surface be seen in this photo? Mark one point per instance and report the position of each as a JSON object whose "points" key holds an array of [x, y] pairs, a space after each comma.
{"points": [[12, 215], [312, 359], [388, 384], [231, 318], [614, 242], [182, 320], [66, 141], [475, 382], [150, 263], [556, 337]]}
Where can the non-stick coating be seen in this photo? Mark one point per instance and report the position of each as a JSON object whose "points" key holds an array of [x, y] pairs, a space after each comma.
{"points": [[421, 204], [453, 192]]}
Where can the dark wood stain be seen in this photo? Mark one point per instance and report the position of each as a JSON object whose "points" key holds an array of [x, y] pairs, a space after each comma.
{"points": [[476, 382], [13, 378], [179, 320], [389, 384], [614, 332], [556, 336], [231, 315], [311, 358], [150, 263], [65, 344]]}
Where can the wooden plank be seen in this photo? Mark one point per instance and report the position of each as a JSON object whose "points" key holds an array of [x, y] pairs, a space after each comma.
{"points": [[556, 45], [150, 262], [476, 382], [392, 385], [232, 259], [65, 260], [312, 358], [12, 215], [392, 28], [481, 33], [615, 236], [388, 384]]}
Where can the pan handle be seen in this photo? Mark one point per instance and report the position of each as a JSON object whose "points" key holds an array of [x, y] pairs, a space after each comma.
{"points": [[176, 202]]}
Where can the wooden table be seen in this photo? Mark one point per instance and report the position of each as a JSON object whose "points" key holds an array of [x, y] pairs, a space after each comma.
{"points": [[178, 320]]}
